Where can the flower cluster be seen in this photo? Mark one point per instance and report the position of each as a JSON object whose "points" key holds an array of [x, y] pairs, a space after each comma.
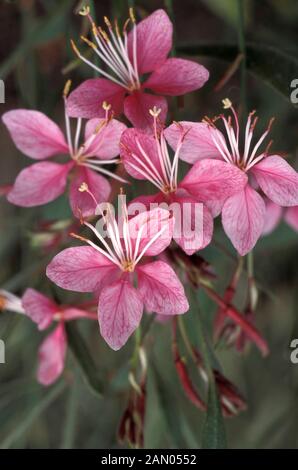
{"points": [[146, 258]]}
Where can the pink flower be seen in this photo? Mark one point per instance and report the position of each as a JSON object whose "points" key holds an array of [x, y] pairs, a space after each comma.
{"points": [[39, 137], [129, 58], [52, 352], [111, 271], [243, 213], [10, 302], [274, 214], [146, 157]]}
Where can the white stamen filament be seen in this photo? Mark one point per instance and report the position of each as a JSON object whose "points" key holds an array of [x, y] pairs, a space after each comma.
{"points": [[121, 254], [231, 153], [112, 48]]}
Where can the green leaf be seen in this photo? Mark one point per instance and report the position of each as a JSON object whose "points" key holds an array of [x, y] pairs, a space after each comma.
{"points": [[84, 359], [275, 67], [213, 436], [31, 416]]}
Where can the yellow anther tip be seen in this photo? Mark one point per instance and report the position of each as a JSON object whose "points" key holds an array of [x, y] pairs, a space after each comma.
{"points": [[66, 88], [155, 112], [83, 188]]}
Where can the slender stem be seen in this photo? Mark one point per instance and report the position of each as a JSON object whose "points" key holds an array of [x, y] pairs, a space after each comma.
{"points": [[242, 50], [185, 338]]}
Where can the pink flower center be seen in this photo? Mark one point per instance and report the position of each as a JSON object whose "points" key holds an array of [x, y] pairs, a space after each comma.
{"points": [[229, 148], [124, 250], [165, 175], [83, 154], [111, 46]]}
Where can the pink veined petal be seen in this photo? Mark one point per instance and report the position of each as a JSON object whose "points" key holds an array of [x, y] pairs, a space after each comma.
{"points": [[129, 145], [72, 313], [291, 217], [39, 308], [273, 216], [161, 290], [146, 200], [106, 144], [278, 180], [243, 219], [120, 311], [176, 77], [80, 269], [215, 207], [197, 143], [154, 41], [51, 356], [34, 134], [137, 106], [151, 222], [194, 230], [81, 202], [39, 184], [212, 180], [87, 99]]}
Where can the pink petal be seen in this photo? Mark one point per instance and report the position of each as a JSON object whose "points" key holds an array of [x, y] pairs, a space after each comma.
{"points": [[215, 207], [197, 144], [192, 233], [278, 180], [129, 148], [151, 222], [81, 269], [34, 134], [137, 106], [81, 202], [87, 99], [51, 356], [72, 313], [154, 41], [39, 308], [212, 180], [39, 184], [161, 289], [120, 311], [176, 77], [106, 143], [272, 217], [243, 219], [291, 217]]}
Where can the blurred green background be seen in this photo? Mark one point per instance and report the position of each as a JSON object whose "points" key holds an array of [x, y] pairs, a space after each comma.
{"points": [[35, 61]]}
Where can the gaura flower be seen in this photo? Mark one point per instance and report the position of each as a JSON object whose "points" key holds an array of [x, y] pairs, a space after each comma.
{"points": [[129, 57], [10, 302], [243, 213], [275, 213], [39, 137], [146, 157], [52, 352], [115, 271]]}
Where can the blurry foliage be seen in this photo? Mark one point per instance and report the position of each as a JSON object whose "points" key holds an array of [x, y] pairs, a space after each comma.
{"points": [[34, 50]]}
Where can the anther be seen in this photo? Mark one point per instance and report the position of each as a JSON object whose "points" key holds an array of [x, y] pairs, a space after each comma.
{"points": [[66, 88], [227, 103], [132, 15], [84, 187], [90, 43], [107, 22], [155, 112]]}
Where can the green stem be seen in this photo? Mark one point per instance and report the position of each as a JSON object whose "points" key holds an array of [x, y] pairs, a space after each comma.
{"points": [[242, 50]]}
